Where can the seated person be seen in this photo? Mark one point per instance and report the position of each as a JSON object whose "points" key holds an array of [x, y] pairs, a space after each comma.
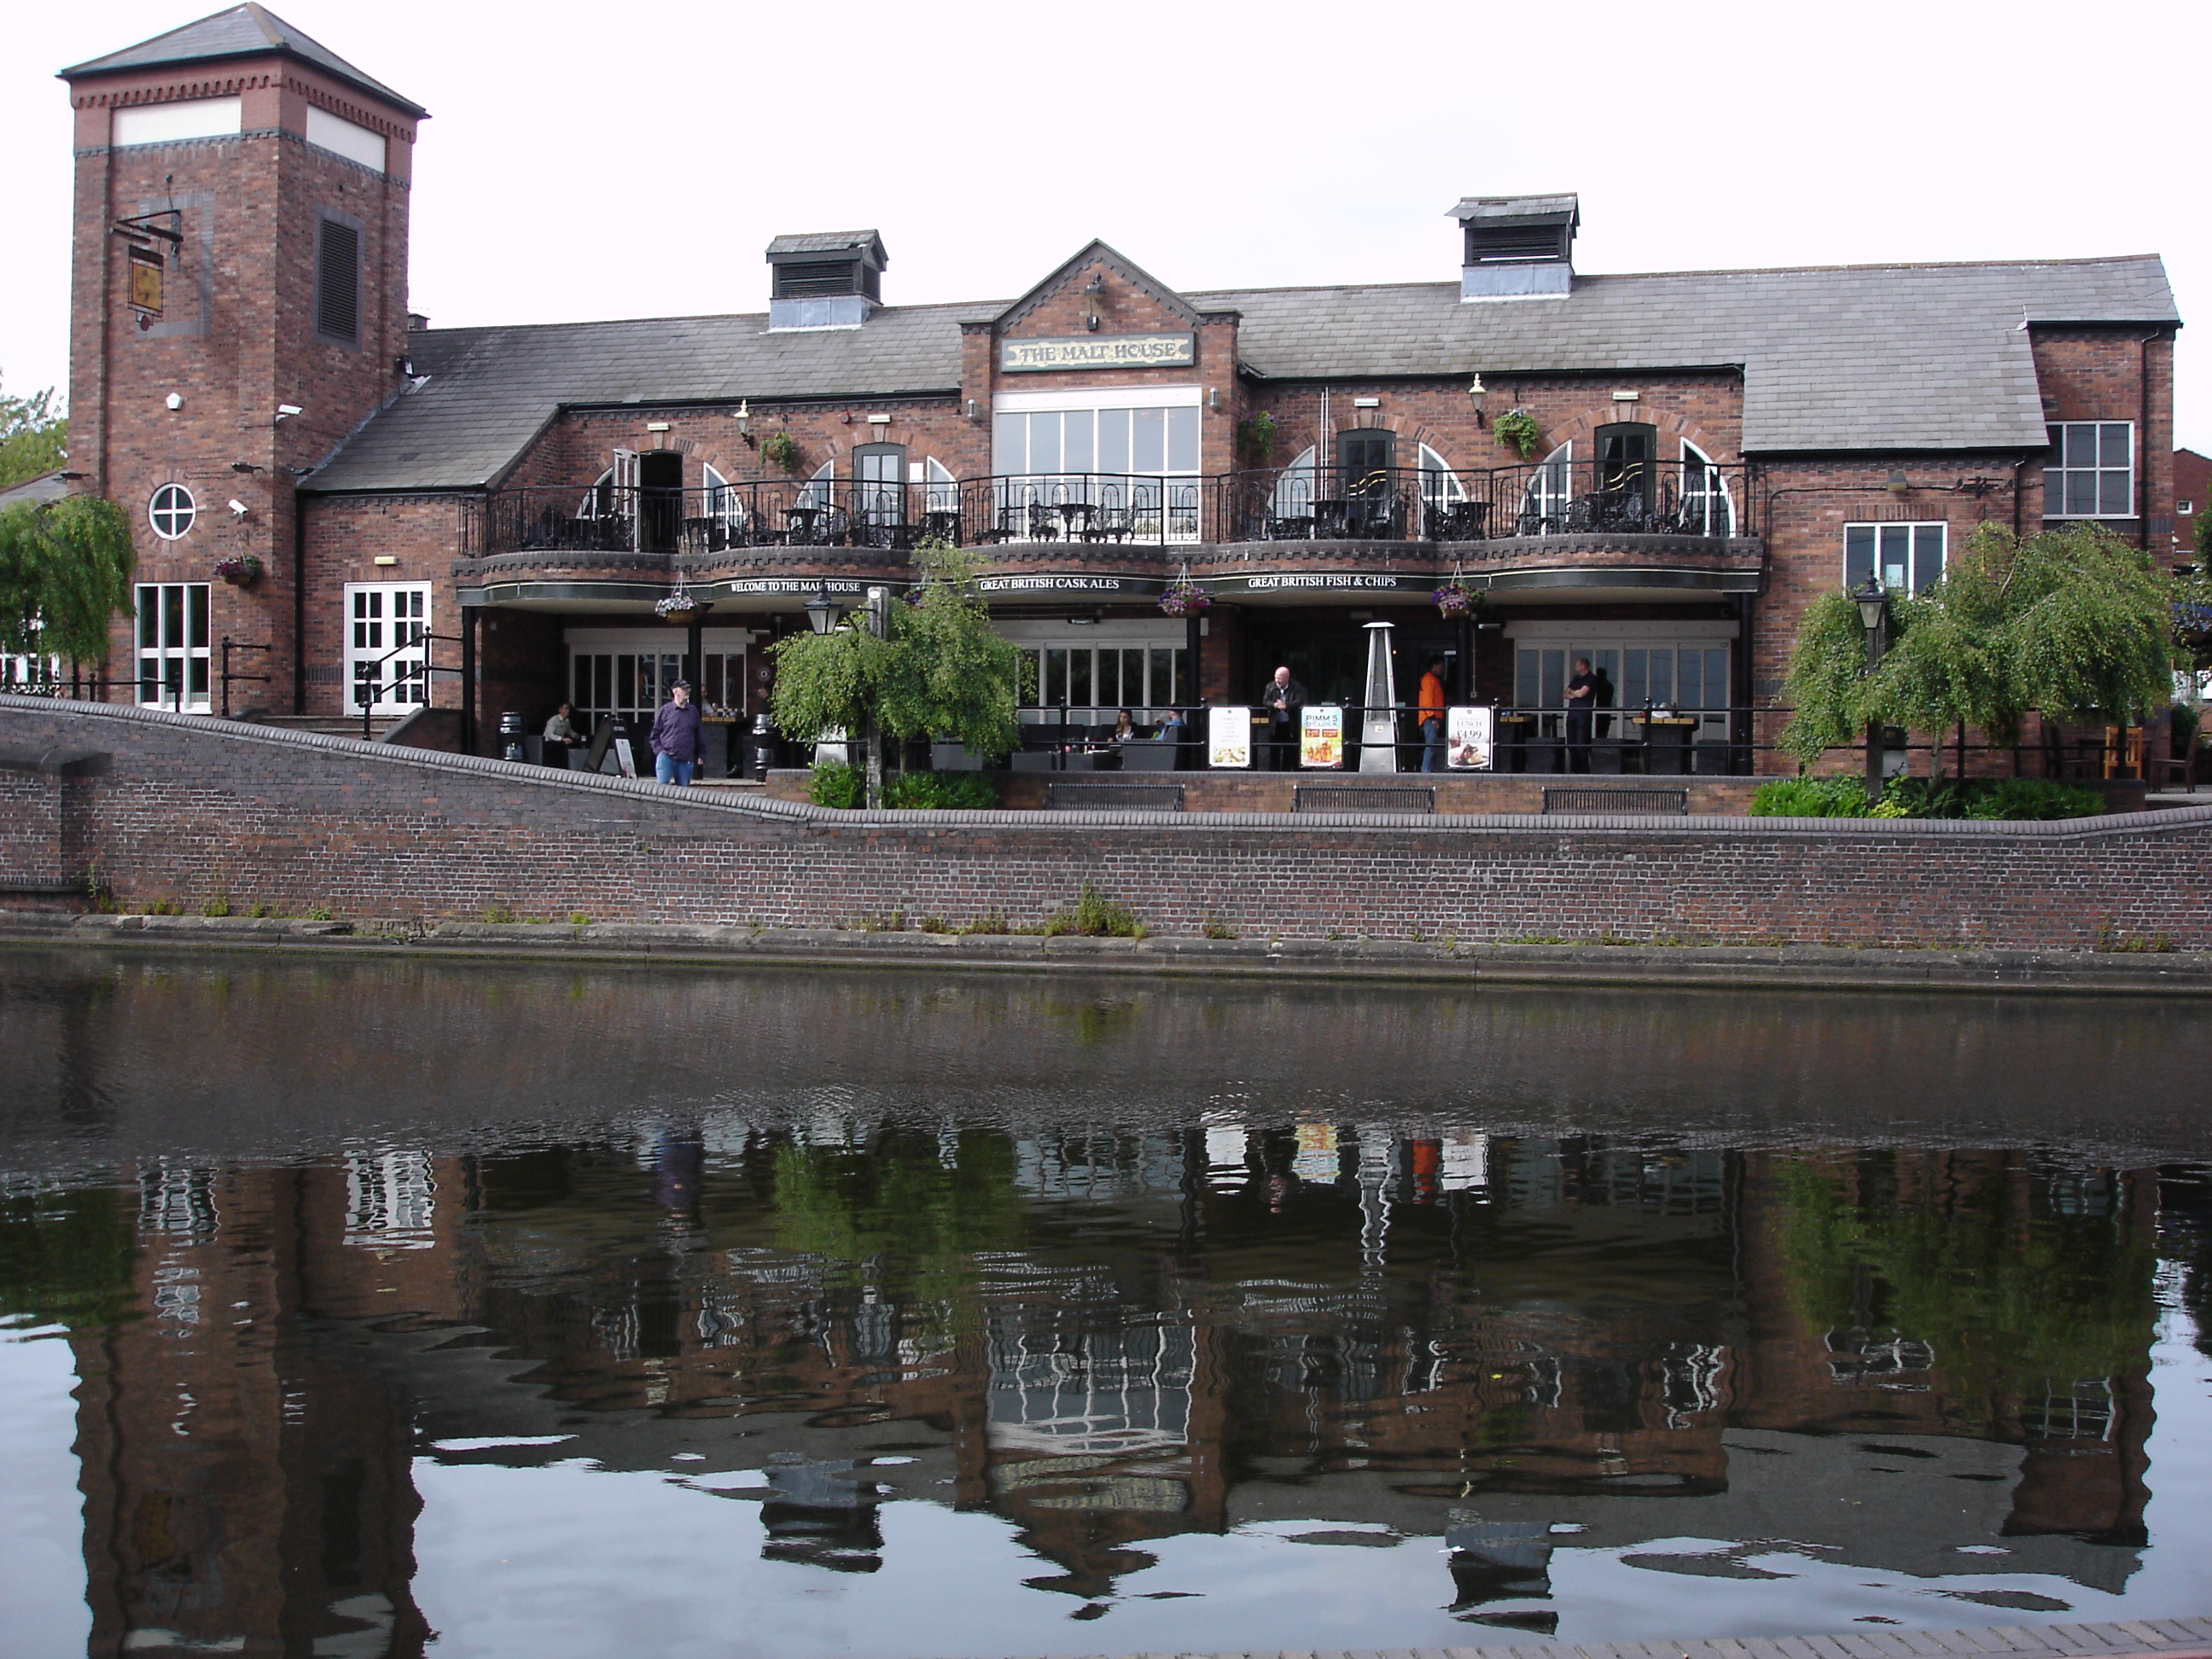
{"points": [[1125, 726], [561, 737]]}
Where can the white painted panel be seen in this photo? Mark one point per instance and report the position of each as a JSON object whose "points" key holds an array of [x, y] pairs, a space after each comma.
{"points": [[165, 123], [1109, 396], [346, 138]]}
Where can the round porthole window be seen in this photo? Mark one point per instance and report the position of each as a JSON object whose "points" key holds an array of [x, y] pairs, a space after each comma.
{"points": [[172, 512]]}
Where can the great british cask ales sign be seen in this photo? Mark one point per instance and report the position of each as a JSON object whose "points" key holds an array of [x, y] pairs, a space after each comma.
{"points": [[1099, 351]]}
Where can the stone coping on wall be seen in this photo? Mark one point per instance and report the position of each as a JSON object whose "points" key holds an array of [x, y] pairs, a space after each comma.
{"points": [[2130, 1638], [1075, 822], [1637, 963]]}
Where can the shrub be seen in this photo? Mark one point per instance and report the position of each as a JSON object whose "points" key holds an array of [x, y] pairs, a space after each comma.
{"points": [[218, 906], [940, 791], [1810, 797], [1093, 915], [1214, 927], [833, 783], [991, 922], [2032, 797]]}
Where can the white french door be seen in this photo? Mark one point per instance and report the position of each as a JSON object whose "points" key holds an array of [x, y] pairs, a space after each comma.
{"points": [[387, 645]]}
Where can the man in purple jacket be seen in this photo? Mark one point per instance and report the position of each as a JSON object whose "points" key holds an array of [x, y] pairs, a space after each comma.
{"points": [[677, 742]]}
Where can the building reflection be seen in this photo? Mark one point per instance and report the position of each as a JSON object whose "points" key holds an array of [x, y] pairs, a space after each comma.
{"points": [[1109, 1339]]}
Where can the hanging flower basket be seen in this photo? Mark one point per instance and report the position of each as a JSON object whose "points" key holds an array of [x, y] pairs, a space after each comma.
{"points": [[1184, 598], [678, 608], [1456, 600], [239, 569], [1517, 430]]}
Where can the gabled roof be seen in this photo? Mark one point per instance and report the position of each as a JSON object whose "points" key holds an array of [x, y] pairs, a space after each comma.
{"points": [[1098, 252], [248, 31], [1835, 359], [1568, 207], [46, 487]]}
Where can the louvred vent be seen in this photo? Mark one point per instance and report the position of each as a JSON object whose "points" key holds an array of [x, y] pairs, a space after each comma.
{"points": [[338, 282], [1489, 243]]}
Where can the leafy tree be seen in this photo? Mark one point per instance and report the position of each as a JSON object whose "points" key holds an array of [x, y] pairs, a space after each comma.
{"points": [[2074, 623], [938, 671], [32, 436], [65, 568]]}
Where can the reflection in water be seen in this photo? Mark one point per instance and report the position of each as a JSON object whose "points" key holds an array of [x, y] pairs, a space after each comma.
{"points": [[1482, 1377]]}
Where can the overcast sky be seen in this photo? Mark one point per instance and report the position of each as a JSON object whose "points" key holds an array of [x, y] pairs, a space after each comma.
{"points": [[631, 160]]}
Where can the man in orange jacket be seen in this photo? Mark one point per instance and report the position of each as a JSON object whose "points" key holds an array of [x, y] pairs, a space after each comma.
{"points": [[1432, 716]]}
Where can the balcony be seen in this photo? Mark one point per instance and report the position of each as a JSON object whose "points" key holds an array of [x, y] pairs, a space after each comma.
{"points": [[1584, 526]]}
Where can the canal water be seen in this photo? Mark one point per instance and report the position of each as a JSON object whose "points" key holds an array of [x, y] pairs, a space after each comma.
{"points": [[359, 1307]]}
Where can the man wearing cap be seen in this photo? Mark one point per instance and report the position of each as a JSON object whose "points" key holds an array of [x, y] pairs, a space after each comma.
{"points": [[677, 742]]}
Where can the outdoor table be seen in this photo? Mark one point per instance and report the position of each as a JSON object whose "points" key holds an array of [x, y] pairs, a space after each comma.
{"points": [[1074, 512], [941, 523], [1666, 743], [802, 521], [1331, 518]]}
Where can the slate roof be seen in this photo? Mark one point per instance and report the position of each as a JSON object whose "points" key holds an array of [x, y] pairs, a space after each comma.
{"points": [[247, 31], [830, 241], [1928, 357], [1516, 207]]}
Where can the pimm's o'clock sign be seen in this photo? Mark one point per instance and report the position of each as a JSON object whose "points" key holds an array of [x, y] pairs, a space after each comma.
{"points": [[1098, 351]]}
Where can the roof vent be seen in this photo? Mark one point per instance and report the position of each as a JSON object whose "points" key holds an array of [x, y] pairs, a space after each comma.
{"points": [[832, 279], [1518, 247]]}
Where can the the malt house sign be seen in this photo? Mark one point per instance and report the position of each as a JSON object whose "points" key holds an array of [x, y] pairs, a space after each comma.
{"points": [[1099, 351]]}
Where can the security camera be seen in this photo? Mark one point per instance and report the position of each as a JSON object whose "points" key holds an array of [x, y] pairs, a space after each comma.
{"points": [[285, 411], [239, 507]]}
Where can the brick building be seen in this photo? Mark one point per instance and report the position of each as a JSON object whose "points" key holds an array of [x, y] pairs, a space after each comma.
{"points": [[484, 517]]}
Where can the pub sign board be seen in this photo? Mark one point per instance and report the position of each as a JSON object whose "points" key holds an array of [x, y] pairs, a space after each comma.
{"points": [[1098, 351]]}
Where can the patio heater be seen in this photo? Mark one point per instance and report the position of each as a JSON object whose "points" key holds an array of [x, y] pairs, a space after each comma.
{"points": [[1378, 724], [1873, 601]]}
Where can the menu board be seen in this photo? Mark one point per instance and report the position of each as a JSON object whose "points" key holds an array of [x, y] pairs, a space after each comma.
{"points": [[1229, 736], [1467, 739], [1321, 736]]}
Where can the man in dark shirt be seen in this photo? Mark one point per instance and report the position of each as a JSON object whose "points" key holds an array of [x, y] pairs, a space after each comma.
{"points": [[1283, 697], [678, 743], [1581, 703]]}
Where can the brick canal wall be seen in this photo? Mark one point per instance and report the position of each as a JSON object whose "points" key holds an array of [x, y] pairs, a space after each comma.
{"points": [[190, 810]]}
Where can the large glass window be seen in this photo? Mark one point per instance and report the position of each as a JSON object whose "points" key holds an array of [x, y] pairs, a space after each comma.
{"points": [[1114, 465], [1689, 675], [173, 645], [1909, 557], [2091, 473], [626, 672]]}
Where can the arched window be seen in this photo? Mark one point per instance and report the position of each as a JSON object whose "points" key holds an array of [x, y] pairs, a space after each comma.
{"points": [[821, 488], [1440, 484], [1294, 488], [1549, 493], [1707, 508], [726, 505], [172, 510]]}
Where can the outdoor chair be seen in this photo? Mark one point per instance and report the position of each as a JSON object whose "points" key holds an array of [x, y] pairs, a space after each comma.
{"points": [[2178, 768]]}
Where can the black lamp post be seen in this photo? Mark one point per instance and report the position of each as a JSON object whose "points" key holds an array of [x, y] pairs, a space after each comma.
{"points": [[1873, 601], [822, 613]]}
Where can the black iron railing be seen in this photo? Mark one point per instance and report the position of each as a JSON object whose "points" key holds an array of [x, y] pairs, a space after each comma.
{"points": [[1681, 498]]}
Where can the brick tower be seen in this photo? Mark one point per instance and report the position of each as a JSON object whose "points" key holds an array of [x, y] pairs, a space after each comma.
{"points": [[238, 305]]}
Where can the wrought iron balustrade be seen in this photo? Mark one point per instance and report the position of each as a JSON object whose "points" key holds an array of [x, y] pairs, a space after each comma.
{"points": [[1681, 498]]}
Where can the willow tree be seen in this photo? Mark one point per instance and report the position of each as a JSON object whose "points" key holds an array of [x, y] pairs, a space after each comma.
{"points": [[65, 570], [937, 671], [2072, 624]]}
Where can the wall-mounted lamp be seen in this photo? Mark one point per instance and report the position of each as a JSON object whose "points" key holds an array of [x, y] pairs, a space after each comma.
{"points": [[1898, 484], [1475, 388], [403, 365], [246, 466], [744, 418], [975, 409], [1090, 323], [1213, 397], [285, 412], [1097, 284], [174, 400]]}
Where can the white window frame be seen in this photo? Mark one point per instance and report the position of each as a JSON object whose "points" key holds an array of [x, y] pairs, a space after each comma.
{"points": [[174, 671], [380, 617], [180, 518], [2056, 474], [1551, 490], [1881, 542]]}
